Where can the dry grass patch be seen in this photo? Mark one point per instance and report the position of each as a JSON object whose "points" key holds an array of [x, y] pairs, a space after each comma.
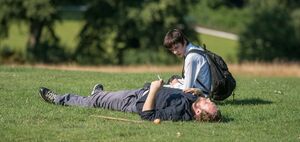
{"points": [[257, 69], [264, 69]]}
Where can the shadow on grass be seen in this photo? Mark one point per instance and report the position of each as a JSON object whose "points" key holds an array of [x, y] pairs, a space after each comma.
{"points": [[250, 101]]}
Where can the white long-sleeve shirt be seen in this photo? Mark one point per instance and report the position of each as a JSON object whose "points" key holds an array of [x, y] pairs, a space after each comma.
{"points": [[196, 67]]}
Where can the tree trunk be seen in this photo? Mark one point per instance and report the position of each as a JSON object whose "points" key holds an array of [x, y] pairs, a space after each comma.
{"points": [[35, 30], [120, 56]]}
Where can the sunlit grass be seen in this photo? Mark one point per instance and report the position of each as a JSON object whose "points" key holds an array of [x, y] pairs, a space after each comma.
{"points": [[265, 109]]}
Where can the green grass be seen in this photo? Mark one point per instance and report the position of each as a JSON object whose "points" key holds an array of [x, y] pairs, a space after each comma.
{"points": [[67, 31], [265, 109]]}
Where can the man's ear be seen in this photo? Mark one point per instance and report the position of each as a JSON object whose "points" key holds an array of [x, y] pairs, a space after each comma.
{"points": [[198, 111]]}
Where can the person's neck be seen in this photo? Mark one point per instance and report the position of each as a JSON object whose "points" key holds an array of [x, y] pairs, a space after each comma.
{"points": [[186, 48]]}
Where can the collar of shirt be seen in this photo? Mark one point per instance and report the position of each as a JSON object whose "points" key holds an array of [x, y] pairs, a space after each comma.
{"points": [[189, 47]]}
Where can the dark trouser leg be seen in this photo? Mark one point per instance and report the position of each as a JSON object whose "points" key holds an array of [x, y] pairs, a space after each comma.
{"points": [[120, 100], [74, 100]]}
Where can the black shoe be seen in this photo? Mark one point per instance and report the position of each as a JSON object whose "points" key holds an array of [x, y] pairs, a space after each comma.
{"points": [[97, 87], [47, 95]]}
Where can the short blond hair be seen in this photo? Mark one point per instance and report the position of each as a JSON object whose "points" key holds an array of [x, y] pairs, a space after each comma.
{"points": [[205, 115], [214, 117]]}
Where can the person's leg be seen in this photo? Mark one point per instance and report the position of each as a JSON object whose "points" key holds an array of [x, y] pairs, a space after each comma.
{"points": [[67, 99], [73, 100], [120, 100]]}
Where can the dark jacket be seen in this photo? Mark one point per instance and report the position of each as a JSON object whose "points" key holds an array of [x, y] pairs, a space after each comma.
{"points": [[170, 104]]}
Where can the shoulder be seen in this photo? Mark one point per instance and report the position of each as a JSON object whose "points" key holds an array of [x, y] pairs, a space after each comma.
{"points": [[194, 56]]}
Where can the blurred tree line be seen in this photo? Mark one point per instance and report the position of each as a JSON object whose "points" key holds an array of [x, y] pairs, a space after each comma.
{"points": [[268, 29], [132, 28], [131, 32], [273, 32], [115, 32]]}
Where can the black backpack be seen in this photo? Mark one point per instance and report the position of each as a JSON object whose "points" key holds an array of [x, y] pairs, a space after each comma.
{"points": [[222, 82]]}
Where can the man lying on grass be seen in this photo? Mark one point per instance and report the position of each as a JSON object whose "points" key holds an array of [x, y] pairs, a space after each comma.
{"points": [[150, 102]]}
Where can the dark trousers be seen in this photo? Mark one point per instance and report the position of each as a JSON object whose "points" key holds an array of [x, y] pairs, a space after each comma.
{"points": [[120, 100]]}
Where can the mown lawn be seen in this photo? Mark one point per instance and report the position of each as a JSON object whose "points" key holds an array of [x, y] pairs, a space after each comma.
{"points": [[265, 109]]}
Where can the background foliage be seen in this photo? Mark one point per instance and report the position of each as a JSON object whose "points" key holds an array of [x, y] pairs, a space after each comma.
{"points": [[224, 15], [131, 32], [136, 25], [268, 30], [39, 16], [272, 34]]}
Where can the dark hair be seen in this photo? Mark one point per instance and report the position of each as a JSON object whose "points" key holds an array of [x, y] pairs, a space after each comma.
{"points": [[173, 77], [174, 36]]}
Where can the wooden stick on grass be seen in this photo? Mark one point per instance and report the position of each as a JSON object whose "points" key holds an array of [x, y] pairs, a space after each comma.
{"points": [[115, 118]]}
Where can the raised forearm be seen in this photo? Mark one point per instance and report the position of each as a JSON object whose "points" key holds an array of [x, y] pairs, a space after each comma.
{"points": [[150, 101]]}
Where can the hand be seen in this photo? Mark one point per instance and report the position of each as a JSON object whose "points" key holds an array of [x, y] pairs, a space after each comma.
{"points": [[194, 91], [157, 83], [150, 101]]}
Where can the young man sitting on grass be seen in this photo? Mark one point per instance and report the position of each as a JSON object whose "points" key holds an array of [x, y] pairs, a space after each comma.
{"points": [[151, 102], [196, 71]]}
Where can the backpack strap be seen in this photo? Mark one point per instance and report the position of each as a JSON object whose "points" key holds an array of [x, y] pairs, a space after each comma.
{"points": [[191, 51], [202, 86], [201, 53]]}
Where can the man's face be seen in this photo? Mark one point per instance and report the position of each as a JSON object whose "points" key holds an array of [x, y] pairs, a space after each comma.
{"points": [[204, 104], [178, 49]]}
